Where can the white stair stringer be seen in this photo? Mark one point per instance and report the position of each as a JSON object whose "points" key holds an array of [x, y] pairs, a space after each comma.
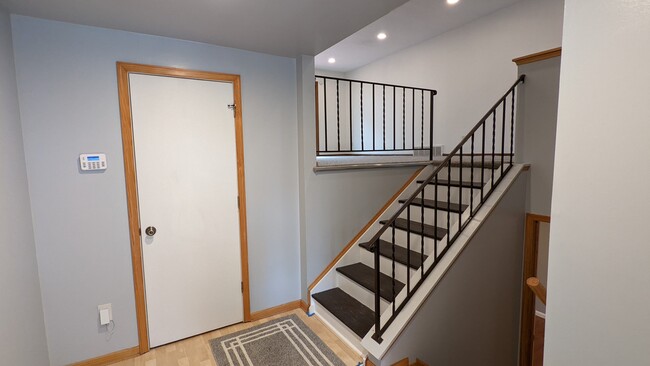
{"points": [[378, 350]]}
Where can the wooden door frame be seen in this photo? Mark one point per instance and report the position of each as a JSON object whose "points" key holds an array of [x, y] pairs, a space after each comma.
{"points": [[531, 250], [123, 71]]}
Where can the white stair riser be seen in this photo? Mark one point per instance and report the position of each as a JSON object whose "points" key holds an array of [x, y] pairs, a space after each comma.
{"points": [[467, 174], [416, 216], [400, 239], [359, 292], [429, 193], [385, 265]]}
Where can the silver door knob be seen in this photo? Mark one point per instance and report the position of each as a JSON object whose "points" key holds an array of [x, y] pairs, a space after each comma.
{"points": [[150, 231]]}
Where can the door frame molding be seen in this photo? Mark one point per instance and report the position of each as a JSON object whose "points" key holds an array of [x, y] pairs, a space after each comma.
{"points": [[531, 250], [123, 71]]}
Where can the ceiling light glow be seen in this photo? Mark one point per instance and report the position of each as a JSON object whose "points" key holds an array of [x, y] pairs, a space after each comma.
{"points": [[381, 35], [452, 2], [331, 60]]}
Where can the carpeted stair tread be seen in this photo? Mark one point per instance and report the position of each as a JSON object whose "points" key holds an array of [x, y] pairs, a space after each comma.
{"points": [[347, 309], [417, 228], [365, 276], [440, 205], [454, 183], [401, 253]]}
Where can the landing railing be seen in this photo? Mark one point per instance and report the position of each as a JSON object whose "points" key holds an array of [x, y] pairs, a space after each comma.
{"points": [[357, 117], [495, 135]]}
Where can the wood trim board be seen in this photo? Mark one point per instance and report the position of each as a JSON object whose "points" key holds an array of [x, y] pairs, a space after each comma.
{"points": [[292, 305], [531, 244], [538, 56], [110, 358], [360, 233], [123, 71]]}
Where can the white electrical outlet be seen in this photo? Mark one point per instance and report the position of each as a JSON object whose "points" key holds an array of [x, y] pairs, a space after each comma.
{"points": [[105, 314]]}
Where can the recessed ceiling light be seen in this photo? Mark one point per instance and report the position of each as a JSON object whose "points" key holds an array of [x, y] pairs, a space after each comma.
{"points": [[381, 35], [452, 2], [331, 60]]}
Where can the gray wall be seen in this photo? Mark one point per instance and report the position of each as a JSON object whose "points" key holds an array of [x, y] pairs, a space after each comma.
{"points": [[599, 258], [68, 100], [537, 123], [334, 205], [22, 330], [471, 66], [472, 316]]}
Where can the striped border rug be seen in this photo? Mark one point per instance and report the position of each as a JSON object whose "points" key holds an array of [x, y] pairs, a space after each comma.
{"points": [[281, 342]]}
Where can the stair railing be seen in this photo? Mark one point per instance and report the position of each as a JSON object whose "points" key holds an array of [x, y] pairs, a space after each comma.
{"points": [[372, 117], [487, 127]]}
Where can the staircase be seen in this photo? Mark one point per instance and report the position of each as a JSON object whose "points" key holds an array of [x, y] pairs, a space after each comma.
{"points": [[362, 296]]}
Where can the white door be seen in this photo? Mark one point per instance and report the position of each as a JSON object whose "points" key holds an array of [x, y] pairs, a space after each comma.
{"points": [[186, 168]]}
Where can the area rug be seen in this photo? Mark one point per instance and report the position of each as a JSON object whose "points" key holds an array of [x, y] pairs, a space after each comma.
{"points": [[284, 341]]}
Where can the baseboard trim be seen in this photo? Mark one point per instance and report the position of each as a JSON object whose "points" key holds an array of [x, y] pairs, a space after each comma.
{"points": [[304, 306], [134, 351], [540, 314], [292, 305], [110, 358]]}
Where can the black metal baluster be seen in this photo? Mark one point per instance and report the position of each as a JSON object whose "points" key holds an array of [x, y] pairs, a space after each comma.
{"points": [[393, 265], [460, 190], [413, 119], [383, 96], [373, 117], [325, 110], [377, 335], [350, 108], [448, 200], [362, 143], [494, 127], [471, 178], [482, 158], [503, 133], [431, 126], [512, 125], [408, 250], [422, 121], [394, 118], [435, 220], [338, 118], [403, 119], [422, 234]]}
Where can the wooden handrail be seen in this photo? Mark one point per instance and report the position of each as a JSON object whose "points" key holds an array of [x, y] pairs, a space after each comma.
{"points": [[538, 289]]}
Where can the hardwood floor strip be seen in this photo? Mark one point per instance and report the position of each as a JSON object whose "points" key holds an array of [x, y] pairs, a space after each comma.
{"points": [[196, 350]]}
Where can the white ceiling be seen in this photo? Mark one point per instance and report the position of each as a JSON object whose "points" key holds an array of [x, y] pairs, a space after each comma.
{"points": [[280, 27], [408, 25]]}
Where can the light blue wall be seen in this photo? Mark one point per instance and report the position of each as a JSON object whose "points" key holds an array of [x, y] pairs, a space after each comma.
{"points": [[22, 330], [69, 105]]}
